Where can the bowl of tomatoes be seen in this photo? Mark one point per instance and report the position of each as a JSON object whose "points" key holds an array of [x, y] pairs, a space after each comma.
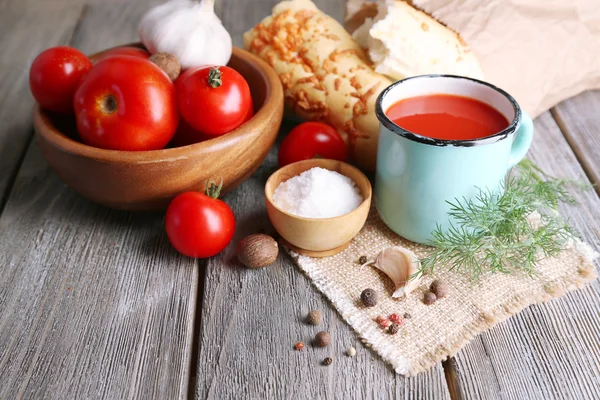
{"points": [[124, 156]]}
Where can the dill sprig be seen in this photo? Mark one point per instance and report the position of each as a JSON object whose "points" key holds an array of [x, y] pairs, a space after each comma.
{"points": [[506, 231]]}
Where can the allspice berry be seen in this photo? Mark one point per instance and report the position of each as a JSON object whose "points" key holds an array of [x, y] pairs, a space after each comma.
{"points": [[257, 251], [393, 329], [314, 317], [439, 288], [168, 63], [369, 297], [322, 339], [429, 298]]}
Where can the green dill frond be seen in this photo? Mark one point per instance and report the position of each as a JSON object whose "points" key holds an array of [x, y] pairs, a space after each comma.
{"points": [[499, 231]]}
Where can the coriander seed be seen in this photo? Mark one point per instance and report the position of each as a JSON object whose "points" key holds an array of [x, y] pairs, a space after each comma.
{"points": [[429, 298], [439, 288], [314, 317]]}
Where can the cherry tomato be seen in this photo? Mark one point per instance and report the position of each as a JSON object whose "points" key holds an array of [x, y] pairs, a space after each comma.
{"points": [[199, 225], [309, 140], [55, 75], [214, 101], [126, 103], [124, 51]]}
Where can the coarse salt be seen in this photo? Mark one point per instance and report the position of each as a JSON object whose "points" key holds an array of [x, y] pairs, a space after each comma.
{"points": [[318, 193]]}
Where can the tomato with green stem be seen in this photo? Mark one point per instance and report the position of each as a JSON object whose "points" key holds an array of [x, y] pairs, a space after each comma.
{"points": [[214, 100], [200, 225]]}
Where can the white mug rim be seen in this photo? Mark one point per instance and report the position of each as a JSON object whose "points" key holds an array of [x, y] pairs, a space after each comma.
{"points": [[392, 127]]}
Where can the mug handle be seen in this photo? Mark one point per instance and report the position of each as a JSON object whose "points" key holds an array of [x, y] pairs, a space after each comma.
{"points": [[522, 141]]}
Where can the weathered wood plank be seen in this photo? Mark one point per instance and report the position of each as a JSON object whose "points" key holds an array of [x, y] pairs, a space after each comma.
{"points": [[25, 30], [579, 121], [549, 350], [94, 303], [251, 320]]}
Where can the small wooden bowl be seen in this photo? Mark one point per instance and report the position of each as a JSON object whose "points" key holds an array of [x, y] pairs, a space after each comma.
{"points": [[148, 180], [318, 237]]}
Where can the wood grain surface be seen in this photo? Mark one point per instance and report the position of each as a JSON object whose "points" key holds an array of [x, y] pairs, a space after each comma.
{"points": [[579, 120], [25, 30], [548, 351], [95, 303], [251, 320]]}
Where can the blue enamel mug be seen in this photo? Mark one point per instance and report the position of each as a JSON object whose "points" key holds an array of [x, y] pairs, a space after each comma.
{"points": [[416, 176]]}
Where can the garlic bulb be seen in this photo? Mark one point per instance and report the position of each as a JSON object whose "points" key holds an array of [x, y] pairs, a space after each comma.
{"points": [[189, 30], [399, 264]]}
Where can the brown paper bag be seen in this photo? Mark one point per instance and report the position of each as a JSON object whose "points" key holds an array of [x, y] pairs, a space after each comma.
{"points": [[540, 51]]}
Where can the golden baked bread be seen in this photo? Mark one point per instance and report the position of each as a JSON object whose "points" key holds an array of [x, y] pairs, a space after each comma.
{"points": [[403, 41], [325, 73]]}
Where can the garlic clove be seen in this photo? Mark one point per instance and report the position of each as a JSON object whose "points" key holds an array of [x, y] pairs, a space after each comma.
{"points": [[189, 30], [399, 264]]}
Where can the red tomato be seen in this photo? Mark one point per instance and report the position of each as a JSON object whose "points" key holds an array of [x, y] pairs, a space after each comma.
{"points": [[55, 75], [309, 140], [211, 108], [126, 103], [199, 225], [187, 135], [124, 51]]}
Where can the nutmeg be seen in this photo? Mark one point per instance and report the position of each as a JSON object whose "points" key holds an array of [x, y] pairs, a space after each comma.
{"points": [[168, 63], [314, 317], [257, 251], [439, 288]]}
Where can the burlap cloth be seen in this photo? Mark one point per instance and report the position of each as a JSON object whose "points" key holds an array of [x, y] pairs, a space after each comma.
{"points": [[435, 332]]}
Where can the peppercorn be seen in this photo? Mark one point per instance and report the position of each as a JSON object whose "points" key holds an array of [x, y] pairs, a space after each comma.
{"points": [[369, 297], [429, 298], [395, 318], [407, 316], [327, 361], [379, 318], [384, 323], [362, 260], [393, 329], [322, 339], [299, 346], [314, 317], [439, 288], [351, 352]]}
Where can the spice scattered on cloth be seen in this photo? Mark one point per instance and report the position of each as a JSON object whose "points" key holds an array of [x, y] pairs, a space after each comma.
{"points": [[441, 329], [318, 193]]}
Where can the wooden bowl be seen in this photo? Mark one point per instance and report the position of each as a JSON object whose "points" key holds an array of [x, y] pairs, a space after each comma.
{"points": [[318, 237], [148, 180]]}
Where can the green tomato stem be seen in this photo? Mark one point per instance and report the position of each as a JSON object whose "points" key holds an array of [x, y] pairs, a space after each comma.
{"points": [[214, 77], [212, 189]]}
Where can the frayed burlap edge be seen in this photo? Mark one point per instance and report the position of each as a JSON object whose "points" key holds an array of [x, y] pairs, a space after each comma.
{"points": [[376, 339]]}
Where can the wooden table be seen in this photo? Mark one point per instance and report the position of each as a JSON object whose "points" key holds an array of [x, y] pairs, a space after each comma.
{"points": [[95, 303]]}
